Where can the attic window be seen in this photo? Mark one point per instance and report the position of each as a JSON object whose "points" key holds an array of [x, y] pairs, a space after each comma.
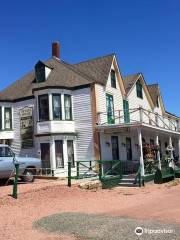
{"points": [[40, 72], [113, 79], [157, 102], [139, 89]]}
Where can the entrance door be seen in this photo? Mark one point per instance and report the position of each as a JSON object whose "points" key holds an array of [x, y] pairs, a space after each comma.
{"points": [[128, 149], [110, 108], [115, 148], [126, 111], [45, 155]]}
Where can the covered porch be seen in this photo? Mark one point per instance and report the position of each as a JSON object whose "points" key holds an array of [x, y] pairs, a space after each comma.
{"points": [[138, 144]]}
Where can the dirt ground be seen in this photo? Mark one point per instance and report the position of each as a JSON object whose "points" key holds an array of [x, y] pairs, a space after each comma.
{"points": [[46, 197]]}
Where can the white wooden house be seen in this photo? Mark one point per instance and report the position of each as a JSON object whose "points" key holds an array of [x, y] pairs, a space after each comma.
{"points": [[86, 111]]}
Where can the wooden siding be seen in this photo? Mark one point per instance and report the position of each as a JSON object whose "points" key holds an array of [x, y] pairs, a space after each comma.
{"points": [[83, 124], [101, 92]]}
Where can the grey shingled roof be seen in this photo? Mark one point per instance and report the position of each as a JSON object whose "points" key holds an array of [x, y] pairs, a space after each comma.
{"points": [[129, 81], [62, 75], [154, 92]]}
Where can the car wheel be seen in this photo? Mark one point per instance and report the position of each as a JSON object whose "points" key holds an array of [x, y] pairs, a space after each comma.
{"points": [[28, 175]]}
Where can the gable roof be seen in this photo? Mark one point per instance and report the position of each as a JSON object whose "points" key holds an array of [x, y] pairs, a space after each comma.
{"points": [[129, 81], [62, 75], [96, 69], [154, 92]]}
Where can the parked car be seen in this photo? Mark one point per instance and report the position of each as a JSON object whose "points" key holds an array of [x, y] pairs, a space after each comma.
{"points": [[28, 167]]}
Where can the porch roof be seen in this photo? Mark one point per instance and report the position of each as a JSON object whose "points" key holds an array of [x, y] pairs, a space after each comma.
{"points": [[128, 126]]}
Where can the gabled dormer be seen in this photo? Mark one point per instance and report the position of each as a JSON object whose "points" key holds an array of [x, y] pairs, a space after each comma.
{"points": [[42, 72]]}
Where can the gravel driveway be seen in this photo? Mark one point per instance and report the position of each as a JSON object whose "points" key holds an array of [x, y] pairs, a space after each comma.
{"points": [[103, 227]]}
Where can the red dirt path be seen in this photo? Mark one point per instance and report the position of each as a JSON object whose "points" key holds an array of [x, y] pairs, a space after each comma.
{"points": [[158, 202]]}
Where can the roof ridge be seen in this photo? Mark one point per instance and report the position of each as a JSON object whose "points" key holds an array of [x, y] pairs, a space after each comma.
{"points": [[132, 74], [93, 59]]}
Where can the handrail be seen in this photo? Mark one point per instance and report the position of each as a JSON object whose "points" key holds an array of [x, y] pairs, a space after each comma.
{"points": [[151, 118]]}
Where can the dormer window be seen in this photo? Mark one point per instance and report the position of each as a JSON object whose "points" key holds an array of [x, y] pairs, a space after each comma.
{"points": [[41, 72], [113, 78], [139, 89]]}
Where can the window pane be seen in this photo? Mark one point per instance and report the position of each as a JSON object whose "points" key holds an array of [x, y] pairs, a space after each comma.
{"points": [[43, 108], [56, 99], [67, 107], [59, 154], [70, 151], [5, 152], [139, 89], [7, 118], [113, 79]]}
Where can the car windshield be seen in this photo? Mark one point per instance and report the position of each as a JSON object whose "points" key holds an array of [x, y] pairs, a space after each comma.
{"points": [[5, 152]]}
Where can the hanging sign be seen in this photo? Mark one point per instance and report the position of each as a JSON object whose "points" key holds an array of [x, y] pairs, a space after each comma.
{"points": [[26, 121]]}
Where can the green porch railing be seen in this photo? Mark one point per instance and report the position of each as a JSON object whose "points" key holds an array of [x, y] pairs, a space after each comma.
{"points": [[85, 169], [110, 172]]}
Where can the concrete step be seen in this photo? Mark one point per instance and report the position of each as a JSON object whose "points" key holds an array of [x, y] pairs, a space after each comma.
{"points": [[127, 180], [126, 184]]}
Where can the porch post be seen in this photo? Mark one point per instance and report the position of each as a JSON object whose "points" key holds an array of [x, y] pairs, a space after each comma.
{"points": [[158, 153], [141, 151], [52, 155], [170, 144]]}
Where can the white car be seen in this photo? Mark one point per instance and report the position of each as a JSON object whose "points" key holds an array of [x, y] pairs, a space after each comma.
{"points": [[28, 167]]}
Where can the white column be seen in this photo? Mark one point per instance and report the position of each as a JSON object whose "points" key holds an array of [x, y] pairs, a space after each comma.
{"points": [[158, 153], [170, 144], [65, 153], [52, 154], [141, 151]]}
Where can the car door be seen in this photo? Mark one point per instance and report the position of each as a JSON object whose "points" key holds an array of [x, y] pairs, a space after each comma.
{"points": [[6, 162]]}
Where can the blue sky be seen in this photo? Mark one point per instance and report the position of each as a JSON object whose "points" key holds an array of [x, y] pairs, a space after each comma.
{"points": [[144, 34]]}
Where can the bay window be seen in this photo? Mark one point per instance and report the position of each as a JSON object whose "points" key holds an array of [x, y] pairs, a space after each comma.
{"points": [[43, 107], [67, 107], [7, 118], [56, 106]]}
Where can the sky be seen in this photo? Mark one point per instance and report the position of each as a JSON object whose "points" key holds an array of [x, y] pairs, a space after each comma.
{"points": [[144, 35]]}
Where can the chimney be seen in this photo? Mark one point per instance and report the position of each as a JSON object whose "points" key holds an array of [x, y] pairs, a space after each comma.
{"points": [[56, 50]]}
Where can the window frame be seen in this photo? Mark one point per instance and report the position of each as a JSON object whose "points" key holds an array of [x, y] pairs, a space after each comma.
{"points": [[60, 113], [5, 108], [139, 89], [40, 119], [71, 114], [113, 78]]}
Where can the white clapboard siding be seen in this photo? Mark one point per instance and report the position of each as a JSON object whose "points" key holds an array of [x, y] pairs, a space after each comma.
{"points": [[16, 142], [101, 92], [83, 124], [135, 102]]}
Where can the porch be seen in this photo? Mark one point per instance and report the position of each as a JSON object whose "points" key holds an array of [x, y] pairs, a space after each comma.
{"points": [[138, 143]]}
